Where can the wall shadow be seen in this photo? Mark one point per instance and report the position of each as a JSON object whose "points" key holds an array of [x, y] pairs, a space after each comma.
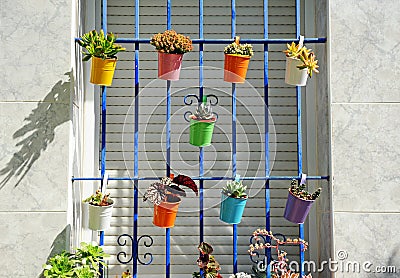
{"points": [[39, 131]]}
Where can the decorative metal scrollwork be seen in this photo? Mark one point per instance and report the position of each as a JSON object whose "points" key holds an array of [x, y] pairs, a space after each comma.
{"points": [[123, 256], [188, 100], [263, 239]]}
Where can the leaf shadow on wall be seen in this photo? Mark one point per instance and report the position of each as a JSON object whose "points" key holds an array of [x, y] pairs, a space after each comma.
{"points": [[39, 131]]}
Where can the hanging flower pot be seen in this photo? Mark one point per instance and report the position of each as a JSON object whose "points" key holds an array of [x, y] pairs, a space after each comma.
{"points": [[237, 58], [170, 46], [300, 63], [299, 203], [233, 202], [166, 197], [102, 49], [100, 211], [100, 216], [202, 124], [294, 75], [102, 71], [169, 66], [165, 213]]}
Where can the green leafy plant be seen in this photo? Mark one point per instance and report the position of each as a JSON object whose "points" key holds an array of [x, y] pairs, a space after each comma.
{"points": [[99, 45], [171, 42], [299, 190], [99, 199], [60, 266], [239, 49], [235, 189], [305, 55], [85, 263]]}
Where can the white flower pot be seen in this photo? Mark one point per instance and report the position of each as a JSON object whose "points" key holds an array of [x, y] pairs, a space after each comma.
{"points": [[100, 217], [294, 75]]}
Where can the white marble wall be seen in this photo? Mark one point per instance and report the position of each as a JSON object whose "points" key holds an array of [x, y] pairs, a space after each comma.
{"points": [[365, 108], [35, 43]]}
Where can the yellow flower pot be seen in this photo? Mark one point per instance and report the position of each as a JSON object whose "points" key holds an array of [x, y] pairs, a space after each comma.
{"points": [[102, 71]]}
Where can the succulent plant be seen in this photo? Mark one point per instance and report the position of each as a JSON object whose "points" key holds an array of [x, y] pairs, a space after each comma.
{"points": [[305, 55], [299, 191], [126, 274], [171, 42], [240, 275], [99, 199], [235, 189], [239, 49], [203, 111], [99, 45]]}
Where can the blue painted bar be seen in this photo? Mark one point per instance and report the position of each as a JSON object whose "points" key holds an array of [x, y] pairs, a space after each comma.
{"points": [[276, 178], [227, 41], [233, 16], [136, 150], [168, 146], [201, 93]]}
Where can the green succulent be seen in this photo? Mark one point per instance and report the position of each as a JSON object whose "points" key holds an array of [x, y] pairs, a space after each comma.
{"points": [[300, 191], [305, 55], [99, 45], [235, 189], [99, 199]]}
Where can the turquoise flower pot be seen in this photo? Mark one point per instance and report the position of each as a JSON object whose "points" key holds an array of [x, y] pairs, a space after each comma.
{"points": [[231, 209]]}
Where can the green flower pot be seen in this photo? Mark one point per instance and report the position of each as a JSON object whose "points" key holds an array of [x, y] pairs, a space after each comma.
{"points": [[201, 132]]}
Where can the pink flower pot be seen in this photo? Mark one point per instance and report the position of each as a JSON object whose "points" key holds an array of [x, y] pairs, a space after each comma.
{"points": [[169, 66]]}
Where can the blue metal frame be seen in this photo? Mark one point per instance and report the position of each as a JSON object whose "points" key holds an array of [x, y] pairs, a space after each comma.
{"points": [[134, 259]]}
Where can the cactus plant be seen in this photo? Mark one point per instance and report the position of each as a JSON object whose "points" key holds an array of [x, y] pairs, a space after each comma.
{"points": [[171, 42], [99, 45], [299, 191]]}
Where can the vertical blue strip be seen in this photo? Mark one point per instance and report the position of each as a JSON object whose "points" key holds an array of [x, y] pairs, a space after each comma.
{"points": [[168, 143], [201, 92], [266, 139], [299, 137], [233, 34], [136, 148]]}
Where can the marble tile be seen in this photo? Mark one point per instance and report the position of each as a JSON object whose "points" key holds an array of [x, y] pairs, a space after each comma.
{"points": [[363, 40], [27, 239], [35, 43], [365, 155], [366, 237], [34, 162]]}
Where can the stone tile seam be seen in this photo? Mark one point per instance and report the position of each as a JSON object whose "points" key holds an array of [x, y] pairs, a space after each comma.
{"points": [[368, 212], [36, 211], [365, 103], [32, 101]]}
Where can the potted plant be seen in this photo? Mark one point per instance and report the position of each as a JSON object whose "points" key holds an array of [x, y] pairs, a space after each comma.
{"points": [[300, 63], [85, 262], [166, 197], [202, 125], [279, 267], [103, 50], [170, 46], [299, 202], [233, 202], [207, 263], [126, 274], [100, 211], [237, 58]]}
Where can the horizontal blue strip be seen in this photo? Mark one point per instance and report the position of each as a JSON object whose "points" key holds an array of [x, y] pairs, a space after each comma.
{"points": [[208, 178], [227, 41]]}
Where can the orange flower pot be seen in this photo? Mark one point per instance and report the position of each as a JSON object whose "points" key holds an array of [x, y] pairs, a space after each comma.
{"points": [[235, 68], [169, 66], [165, 214], [102, 71]]}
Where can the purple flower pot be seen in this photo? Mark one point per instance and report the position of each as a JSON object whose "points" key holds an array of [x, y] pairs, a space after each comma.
{"points": [[296, 210]]}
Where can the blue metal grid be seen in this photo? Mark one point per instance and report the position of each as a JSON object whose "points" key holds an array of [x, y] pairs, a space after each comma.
{"points": [[134, 259]]}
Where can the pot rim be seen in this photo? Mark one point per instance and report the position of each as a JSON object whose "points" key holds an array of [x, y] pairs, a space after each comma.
{"points": [[108, 59], [290, 192], [212, 120], [247, 196], [238, 55], [110, 202]]}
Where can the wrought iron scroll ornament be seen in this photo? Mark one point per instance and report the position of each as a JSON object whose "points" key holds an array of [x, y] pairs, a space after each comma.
{"points": [[188, 100], [124, 258], [263, 240]]}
